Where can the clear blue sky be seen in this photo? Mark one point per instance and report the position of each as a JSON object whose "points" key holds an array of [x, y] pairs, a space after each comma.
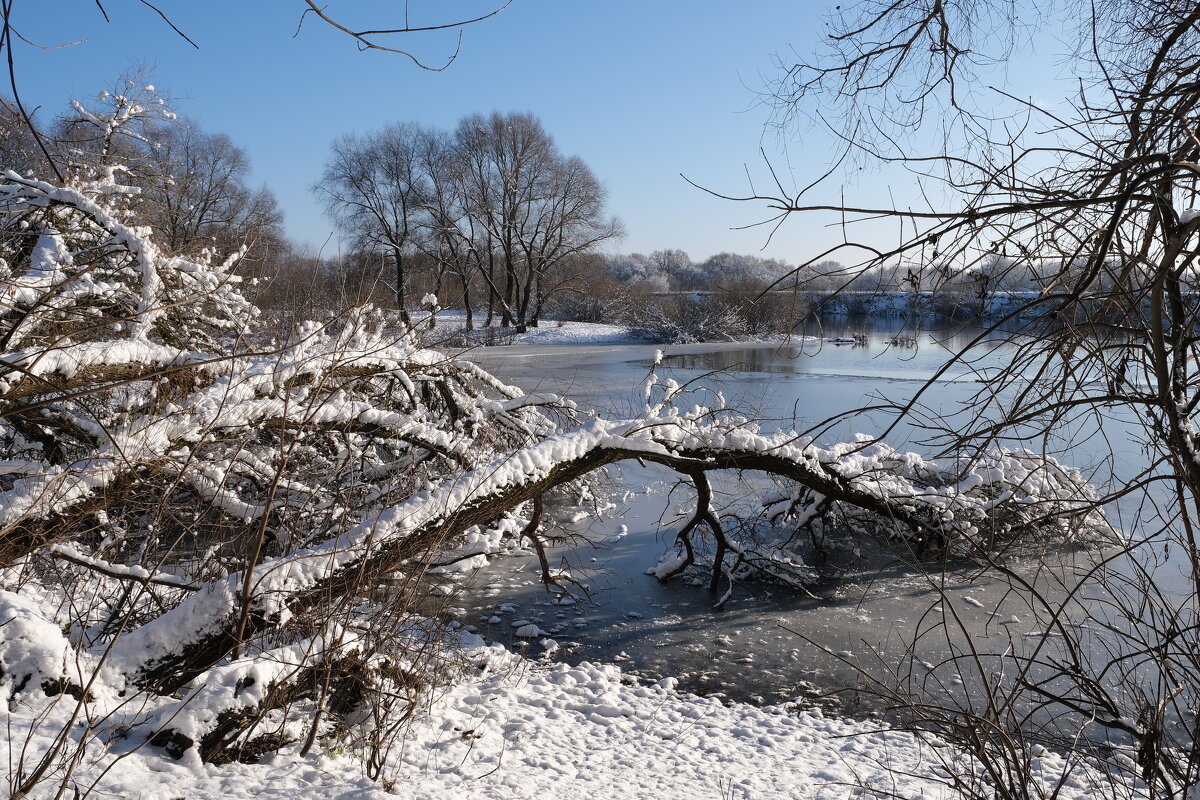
{"points": [[642, 90]]}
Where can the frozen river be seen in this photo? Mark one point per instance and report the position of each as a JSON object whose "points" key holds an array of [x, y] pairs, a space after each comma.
{"points": [[768, 644]]}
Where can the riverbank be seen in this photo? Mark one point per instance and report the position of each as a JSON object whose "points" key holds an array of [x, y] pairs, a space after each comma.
{"points": [[450, 332], [513, 728]]}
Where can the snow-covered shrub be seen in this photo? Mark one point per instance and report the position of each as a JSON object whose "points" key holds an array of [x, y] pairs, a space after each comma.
{"points": [[156, 446], [196, 519], [691, 317]]}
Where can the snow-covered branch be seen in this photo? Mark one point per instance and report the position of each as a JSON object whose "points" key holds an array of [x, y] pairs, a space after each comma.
{"points": [[919, 501]]}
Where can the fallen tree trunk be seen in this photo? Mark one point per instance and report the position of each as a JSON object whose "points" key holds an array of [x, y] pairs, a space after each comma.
{"points": [[170, 651]]}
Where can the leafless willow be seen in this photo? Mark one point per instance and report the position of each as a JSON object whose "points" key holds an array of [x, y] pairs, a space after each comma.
{"points": [[495, 200]]}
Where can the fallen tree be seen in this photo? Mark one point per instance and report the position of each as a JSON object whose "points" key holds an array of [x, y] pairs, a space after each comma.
{"points": [[195, 515]]}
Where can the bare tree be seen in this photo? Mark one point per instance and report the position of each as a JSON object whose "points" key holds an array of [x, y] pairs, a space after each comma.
{"points": [[188, 185], [535, 206], [195, 194], [373, 185], [19, 150], [497, 200], [1095, 203], [500, 154], [567, 220], [452, 235]]}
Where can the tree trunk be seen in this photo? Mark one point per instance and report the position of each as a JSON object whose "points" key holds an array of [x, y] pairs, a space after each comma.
{"points": [[466, 300], [491, 306], [437, 292], [401, 289]]}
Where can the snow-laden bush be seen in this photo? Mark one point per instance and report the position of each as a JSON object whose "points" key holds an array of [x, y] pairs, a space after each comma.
{"points": [[195, 520], [154, 443]]}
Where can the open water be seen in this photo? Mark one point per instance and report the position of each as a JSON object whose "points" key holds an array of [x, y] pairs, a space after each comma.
{"points": [[769, 644]]}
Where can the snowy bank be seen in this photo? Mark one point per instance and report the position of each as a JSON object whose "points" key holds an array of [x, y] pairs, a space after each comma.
{"points": [[517, 729], [450, 330]]}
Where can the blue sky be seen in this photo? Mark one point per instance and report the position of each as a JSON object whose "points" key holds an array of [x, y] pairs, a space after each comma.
{"points": [[642, 90]]}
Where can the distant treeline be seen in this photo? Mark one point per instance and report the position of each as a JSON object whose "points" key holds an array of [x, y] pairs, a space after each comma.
{"points": [[673, 298], [733, 296]]}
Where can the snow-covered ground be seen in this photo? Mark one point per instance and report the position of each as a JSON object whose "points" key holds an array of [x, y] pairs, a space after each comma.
{"points": [[520, 729], [588, 731], [515, 728], [451, 325]]}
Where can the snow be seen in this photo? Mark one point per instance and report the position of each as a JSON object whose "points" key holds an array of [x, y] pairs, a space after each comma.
{"points": [[668, 564], [133, 572], [548, 332], [515, 729], [33, 650], [528, 631], [579, 333], [247, 681]]}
